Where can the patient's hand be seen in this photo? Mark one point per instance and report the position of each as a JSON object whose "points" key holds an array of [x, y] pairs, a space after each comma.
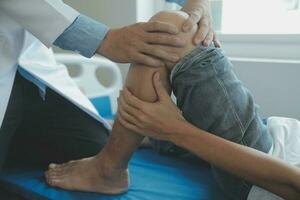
{"points": [[199, 13], [159, 120]]}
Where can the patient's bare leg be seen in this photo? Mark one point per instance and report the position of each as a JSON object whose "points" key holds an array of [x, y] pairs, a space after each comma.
{"points": [[107, 171]]}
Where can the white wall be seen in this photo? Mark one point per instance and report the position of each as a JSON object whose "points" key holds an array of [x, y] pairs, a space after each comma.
{"points": [[114, 13], [270, 67], [276, 87]]}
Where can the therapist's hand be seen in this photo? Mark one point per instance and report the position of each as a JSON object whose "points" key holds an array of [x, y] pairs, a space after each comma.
{"points": [[141, 43], [200, 13], [159, 120]]}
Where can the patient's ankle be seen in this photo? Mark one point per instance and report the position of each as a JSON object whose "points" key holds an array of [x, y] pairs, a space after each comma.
{"points": [[108, 165]]}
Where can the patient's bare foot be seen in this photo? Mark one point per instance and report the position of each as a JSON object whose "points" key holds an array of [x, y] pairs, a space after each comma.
{"points": [[90, 175]]}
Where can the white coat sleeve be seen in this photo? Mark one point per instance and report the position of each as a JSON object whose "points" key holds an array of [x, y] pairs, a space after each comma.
{"points": [[45, 19]]}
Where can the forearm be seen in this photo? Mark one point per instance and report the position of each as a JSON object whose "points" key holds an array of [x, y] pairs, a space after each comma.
{"points": [[247, 163]]}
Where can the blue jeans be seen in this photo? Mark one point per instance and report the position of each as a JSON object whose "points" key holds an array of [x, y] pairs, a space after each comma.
{"points": [[212, 98]]}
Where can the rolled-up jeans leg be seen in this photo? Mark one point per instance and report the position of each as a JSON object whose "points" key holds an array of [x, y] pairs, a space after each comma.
{"points": [[212, 98]]}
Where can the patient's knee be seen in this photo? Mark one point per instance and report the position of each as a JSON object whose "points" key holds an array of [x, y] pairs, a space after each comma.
{"points": [[140, 81], [178, 18], [140, 78], [174, 17]]}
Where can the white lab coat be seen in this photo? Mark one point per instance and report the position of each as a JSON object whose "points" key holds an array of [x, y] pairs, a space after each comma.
{"points": [[27, 30]]}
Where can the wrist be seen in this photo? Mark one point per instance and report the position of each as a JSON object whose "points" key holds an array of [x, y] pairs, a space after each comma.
{"points": [[181, 131], [103, 47]]}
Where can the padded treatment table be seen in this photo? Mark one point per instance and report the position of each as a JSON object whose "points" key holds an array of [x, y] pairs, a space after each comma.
{"points": [[153, 177]]}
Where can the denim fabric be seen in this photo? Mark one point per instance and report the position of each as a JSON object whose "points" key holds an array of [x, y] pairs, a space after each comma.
{"points": [[212, 98], [83, 36]]}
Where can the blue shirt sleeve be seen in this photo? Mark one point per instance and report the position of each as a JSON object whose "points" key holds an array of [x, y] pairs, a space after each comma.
{"points": [[84, 36], [180, 2]]}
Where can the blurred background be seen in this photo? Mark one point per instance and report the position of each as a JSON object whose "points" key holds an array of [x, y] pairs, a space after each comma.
{"points": [[261, 37]]}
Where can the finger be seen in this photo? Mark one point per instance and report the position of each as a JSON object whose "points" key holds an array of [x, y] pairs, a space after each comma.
{"points": [[160, 27], [158, 52], [165, 39], [191, 21], [128, 117], [204, 28], [132, 100], [217, 42], [159, 88], [208, 39], [129, 126], [148, 60], [129, 109]]}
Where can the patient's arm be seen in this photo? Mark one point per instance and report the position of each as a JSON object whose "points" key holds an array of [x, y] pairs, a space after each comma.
{"points": [[107, 171], [247, 163]]}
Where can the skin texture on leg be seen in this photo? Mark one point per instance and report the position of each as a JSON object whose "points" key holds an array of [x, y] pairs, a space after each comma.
{"points": [[107, 172]]}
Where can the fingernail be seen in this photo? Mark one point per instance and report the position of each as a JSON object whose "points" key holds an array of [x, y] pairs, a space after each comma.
{"points": [[52, 165]]}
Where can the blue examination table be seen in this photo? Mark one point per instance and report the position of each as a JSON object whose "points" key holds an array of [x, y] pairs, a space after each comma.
{"points": [[153, 177]]}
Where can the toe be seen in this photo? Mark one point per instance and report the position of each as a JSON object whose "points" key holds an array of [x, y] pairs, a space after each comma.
{"points": [[57, 170], [59, 182], [57, 174], [52, 166], [57, 166], [52, 180]]}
